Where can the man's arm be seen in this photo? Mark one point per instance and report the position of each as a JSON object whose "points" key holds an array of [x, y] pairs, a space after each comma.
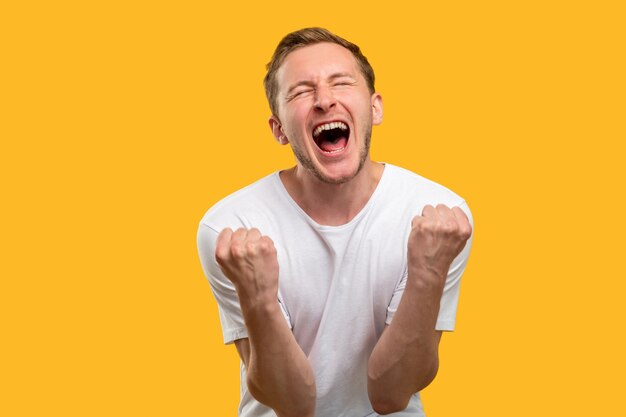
{"points": [[405, 359], [279, 374]]}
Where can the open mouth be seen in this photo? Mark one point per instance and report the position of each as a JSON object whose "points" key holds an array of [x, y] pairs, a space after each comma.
{"points": [[331, 137]]}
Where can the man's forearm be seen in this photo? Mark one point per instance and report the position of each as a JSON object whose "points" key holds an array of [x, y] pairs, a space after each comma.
{"points": [[405, 359], [279, 374]]}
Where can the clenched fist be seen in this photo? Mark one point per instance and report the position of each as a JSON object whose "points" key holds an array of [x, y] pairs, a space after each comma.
{"points": [[437, 237], [249, 261]]}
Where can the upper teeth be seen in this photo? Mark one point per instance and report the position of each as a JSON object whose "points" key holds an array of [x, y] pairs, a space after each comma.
{"points": [[329, 126]]}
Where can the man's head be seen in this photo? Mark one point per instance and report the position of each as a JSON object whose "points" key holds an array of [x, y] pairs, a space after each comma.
{"points": [[306, 37], [324, 103]]}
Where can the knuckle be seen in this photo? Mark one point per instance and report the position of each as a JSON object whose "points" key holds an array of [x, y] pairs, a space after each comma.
{"points": [[237, 251], [426, 227], [465, 228], [267, 246], [251, 248], [219, 251], [264, 247], [450, 226], [416, 221]]}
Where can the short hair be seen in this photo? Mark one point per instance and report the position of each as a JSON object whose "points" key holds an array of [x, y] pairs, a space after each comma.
{"points": [[306, 37]]}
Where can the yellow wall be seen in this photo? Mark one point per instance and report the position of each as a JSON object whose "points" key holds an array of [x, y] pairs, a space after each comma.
{"points": [[122, 122]]}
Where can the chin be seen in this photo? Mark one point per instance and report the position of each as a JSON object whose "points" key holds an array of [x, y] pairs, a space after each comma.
{"points": [[338, 176], [339, 172]]}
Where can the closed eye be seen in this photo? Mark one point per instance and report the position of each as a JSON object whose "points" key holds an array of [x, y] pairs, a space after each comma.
{"points": [[299, 93], [343, 83]]}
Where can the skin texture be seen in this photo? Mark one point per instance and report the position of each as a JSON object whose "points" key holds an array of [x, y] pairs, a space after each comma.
{"points": [[321, 83], [318, 84], [279, 374], [405, 359]]}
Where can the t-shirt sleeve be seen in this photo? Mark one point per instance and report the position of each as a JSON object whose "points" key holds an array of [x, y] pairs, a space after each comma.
{"points": [[231, 318], [450, 297]]}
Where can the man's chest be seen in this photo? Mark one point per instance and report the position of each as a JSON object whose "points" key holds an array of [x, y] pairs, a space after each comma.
{"points": [[339, 276]]}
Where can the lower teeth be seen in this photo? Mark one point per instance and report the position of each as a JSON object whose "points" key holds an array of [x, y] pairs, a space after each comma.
{"points": [[336, 150]]}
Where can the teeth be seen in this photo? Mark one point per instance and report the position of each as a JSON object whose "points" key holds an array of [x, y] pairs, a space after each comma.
{"points": [[336, 150], [329, 126]]}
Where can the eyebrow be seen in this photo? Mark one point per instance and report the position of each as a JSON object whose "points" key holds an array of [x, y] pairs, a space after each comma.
{"points": [[311, 83]]}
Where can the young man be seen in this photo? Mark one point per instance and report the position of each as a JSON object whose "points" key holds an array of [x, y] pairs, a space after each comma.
{"points": [[334, 278]]}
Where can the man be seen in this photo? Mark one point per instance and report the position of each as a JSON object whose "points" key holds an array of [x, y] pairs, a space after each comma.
{"points": [[334, 278]]}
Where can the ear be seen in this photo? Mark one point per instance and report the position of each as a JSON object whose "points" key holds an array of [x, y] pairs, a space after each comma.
{"points": [[277, 130], [377, 109]]}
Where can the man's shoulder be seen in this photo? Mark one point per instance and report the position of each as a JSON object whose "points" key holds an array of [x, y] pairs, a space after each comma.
{"points": [[242, 203], [411, 187]]}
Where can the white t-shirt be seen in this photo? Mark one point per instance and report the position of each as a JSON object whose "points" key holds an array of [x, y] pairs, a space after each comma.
{"points": [[338, 285]]}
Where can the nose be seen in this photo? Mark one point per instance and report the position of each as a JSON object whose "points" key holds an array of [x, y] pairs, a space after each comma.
{"points": [[324, 99]]}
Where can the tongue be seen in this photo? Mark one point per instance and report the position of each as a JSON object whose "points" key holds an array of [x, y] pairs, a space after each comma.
{"points": [[328, 146]]}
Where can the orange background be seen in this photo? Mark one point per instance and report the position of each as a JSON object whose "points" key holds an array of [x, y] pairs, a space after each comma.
{"points": [[121, 123]]}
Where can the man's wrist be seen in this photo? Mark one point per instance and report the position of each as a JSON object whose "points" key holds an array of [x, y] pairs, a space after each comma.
{"points": [[425, 278], [259, 311]]}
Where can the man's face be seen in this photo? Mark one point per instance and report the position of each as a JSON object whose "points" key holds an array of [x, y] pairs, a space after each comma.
{"points": [[325, 111]]}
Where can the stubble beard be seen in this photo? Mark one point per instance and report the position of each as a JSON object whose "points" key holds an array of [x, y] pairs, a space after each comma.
{"points": [[308, 164]]}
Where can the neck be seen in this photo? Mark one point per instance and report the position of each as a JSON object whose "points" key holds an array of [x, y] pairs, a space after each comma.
{"points": [[332, 204]]}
